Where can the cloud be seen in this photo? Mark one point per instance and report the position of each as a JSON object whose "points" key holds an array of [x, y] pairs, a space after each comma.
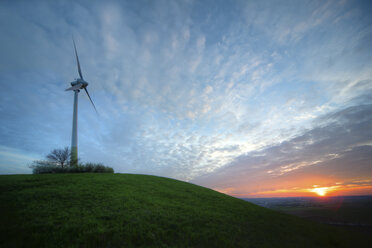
{"points": [[339, 147], [14, 161]]}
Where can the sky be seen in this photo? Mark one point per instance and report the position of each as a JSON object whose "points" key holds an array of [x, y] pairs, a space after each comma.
{"points": [[250, 98]]}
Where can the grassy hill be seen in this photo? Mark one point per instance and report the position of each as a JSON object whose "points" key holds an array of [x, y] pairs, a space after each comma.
{"points": [[123, 210]]}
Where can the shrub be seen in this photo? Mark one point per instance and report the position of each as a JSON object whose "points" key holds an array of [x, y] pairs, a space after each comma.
{"points": [[98, 167], [45, 167]]}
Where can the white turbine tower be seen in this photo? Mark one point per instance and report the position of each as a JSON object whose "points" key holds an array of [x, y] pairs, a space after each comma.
{"points": [[76, 86]]}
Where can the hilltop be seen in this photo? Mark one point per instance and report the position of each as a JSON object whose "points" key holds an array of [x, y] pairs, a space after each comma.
{"points": [[125, 210]]}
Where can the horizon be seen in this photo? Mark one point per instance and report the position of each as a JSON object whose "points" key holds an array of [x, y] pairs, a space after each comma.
{"points": [[312, 196], [253, 98]]}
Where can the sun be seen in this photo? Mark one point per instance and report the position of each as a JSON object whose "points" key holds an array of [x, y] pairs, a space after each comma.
{"points": [[320, 191]]}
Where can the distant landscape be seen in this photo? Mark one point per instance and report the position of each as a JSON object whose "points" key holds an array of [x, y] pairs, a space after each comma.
{"points": [[352, 212]]}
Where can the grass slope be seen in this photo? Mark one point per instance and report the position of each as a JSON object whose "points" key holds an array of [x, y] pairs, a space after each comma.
{"points": [[123, 210]]}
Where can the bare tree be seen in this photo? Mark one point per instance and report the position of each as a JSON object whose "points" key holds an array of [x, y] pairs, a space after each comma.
{"points": [[60, 156]]}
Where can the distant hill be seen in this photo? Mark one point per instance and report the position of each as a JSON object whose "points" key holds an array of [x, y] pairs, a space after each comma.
{"points": [[124, 210], [351, 212]]}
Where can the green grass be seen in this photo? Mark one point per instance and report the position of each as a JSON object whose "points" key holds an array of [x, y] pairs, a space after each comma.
{"points": [[123, 210]]}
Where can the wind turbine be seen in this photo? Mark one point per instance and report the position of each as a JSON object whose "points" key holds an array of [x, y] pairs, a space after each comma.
{"points": [[76, 86]]}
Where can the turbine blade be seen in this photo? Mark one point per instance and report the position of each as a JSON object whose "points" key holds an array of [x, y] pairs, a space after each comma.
{"points": [[75, 87], [77, 60], [85, 88]]}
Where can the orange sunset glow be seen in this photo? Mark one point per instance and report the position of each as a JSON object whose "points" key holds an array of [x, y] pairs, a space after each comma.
{"points": [[359, 187]]}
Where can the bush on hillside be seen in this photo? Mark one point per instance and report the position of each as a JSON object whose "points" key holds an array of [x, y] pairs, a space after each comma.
{"points": [[58, 161], [46, 167], [96, 167]]}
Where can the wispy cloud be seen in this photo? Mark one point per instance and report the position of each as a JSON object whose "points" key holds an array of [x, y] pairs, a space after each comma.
{"points": [[337, 148]]}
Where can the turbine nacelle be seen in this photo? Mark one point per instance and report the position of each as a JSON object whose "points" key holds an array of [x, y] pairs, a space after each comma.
{"points": [[77, 85], [79, 81]]}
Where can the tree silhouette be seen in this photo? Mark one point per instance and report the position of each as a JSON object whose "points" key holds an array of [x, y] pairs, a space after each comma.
{"points": [[60, 157]]}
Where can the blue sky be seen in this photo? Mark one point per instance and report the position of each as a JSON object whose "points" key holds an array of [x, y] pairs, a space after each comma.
{"points": [[204, 91]]}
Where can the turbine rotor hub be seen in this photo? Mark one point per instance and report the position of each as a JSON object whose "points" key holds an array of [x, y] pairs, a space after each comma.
{"points": [[79, 81]]}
